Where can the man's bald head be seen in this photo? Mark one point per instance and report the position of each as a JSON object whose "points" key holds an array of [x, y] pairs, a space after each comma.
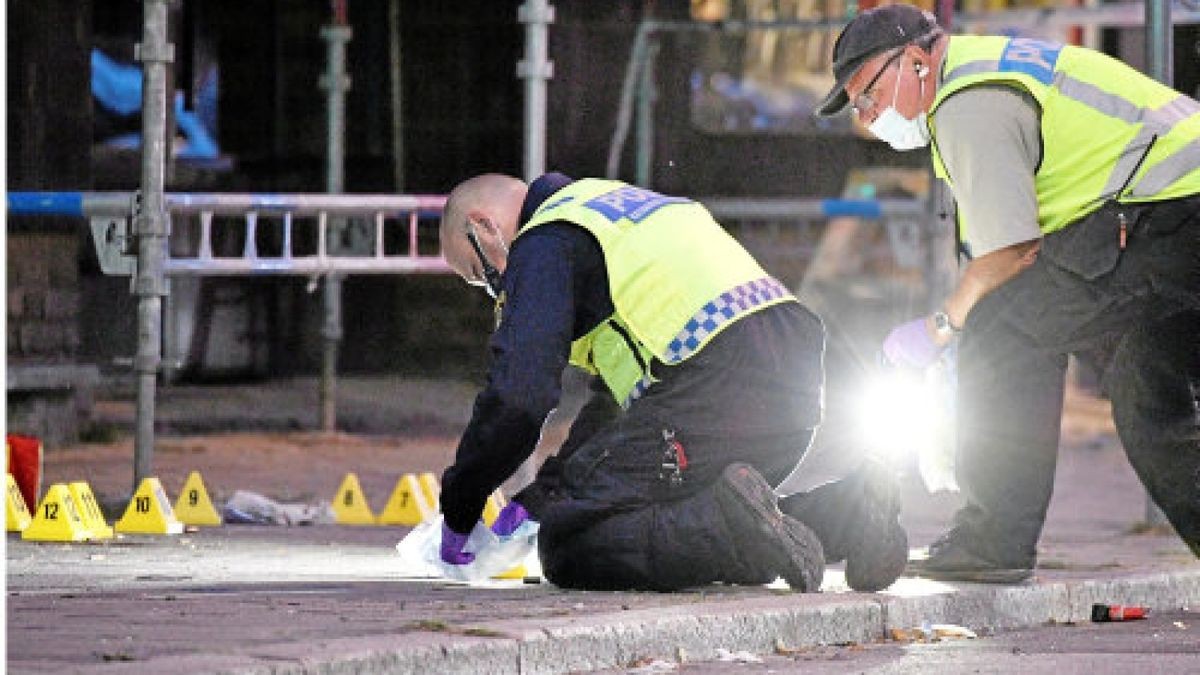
{"points": [[490, 206]]}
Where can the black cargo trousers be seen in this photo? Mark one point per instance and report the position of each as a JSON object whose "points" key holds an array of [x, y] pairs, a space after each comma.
{"points": [[1133, 296], [623, 516], [620, 510]]}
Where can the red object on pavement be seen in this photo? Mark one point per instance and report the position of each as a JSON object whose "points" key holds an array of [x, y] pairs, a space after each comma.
{"points": [[25, 464], [1102, 613], [680, 454]]}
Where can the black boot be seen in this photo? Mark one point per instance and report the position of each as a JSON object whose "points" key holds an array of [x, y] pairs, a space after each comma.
{"points": [[879, 555], [780, 544], [954, 557], [857, 519]]}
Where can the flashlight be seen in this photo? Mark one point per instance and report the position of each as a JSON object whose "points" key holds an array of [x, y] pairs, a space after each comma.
{"points": [[906, 417]]}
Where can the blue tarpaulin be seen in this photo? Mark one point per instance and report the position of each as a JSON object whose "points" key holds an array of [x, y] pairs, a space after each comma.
{"points": [[118, 87]]}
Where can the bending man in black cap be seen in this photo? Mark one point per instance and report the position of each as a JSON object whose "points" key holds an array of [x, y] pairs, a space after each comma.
{"points": [[1077, 182]]}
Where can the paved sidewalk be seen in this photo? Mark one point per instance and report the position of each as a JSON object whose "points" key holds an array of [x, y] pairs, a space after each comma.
{"points": [[331, 599]]}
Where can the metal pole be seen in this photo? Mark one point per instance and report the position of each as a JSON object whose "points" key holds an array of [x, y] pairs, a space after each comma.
{"points": [[645, 118], [536, 68], [150, 228], [396, 74], [1160, 66], [1160, 42], [633, 70], [944, 11], [335, 82]]}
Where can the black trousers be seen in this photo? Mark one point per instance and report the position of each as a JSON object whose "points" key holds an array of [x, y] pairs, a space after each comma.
{"points": [[1138, 304], [621, 520], [617, 508]]}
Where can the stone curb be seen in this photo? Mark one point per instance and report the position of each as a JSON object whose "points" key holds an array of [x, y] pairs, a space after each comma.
{"points": [[694, 632], [697, 635]]}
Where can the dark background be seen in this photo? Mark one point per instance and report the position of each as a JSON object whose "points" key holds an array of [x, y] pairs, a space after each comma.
{"points": [[462, 115]]}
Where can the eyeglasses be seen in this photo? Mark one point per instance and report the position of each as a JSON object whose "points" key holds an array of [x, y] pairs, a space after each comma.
{"points": [[864, 103], [491, 275]]}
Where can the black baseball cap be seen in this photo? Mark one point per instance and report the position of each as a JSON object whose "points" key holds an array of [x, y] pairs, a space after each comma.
{"points": [[870, 33]]}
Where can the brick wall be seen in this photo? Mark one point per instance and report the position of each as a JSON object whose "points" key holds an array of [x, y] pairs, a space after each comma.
{"points": [[48, 147], [49, 393], [43, 297]]}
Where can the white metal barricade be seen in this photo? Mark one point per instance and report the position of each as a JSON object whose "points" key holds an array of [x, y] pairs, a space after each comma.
{"points": [[110, 217], [267, 226]]}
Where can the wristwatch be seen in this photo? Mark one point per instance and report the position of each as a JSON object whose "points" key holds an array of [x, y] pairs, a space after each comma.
{"points": [[942, 325]]}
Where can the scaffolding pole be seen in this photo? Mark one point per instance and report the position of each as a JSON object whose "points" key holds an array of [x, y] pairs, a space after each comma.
{"points": [[336, 83], [150, 228], [395, 74], [1160, 42], [536, 68]]}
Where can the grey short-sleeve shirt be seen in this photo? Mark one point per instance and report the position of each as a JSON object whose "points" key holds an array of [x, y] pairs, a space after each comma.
{"points": [[989, 138]]}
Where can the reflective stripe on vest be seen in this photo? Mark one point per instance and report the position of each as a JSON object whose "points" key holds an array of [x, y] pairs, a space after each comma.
{"points": [[1157, 122], [1170, 123], [676, 278], [712, 317], [720, 310]]}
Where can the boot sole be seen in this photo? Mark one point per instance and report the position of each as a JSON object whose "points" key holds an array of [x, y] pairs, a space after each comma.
{"points": [[881, 554], [794, 549], [1012, 575], [878, 564]]}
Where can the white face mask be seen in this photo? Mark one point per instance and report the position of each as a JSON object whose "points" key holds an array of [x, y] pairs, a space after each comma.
{"points": [[897, 130]]}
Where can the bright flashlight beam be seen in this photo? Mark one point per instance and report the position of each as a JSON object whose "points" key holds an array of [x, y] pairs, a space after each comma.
{"points": [[897, 416]]}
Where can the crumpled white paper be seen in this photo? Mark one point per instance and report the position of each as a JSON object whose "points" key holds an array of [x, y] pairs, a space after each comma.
{"points": [[420, 551], [250, 507], [737, 657]]}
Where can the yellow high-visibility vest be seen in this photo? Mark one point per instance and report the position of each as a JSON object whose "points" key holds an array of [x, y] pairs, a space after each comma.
{"points": [[1108, 131], [676, 278]]}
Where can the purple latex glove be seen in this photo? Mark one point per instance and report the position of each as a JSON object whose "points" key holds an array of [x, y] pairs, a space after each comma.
{"points": [[510, 518], [452, 547], [911, 344]]}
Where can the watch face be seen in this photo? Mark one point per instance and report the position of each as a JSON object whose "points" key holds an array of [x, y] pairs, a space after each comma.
{"points": [[940, 322]]}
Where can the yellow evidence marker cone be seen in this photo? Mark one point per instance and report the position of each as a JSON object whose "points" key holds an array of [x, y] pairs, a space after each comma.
{"points": [[17, 513], [432, 491], [407, 504], [149, 512], [517, 572], [350, 506], [89, 510], [56, 518], [193, 506], [491, 508]]}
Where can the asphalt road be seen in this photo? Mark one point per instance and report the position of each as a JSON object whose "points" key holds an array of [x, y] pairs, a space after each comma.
{"points": [[1163, 643]]}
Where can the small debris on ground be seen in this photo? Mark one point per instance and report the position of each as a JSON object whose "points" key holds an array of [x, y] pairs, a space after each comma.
{"points": [[782, 649], [932, 633], [650, 665], [737, 657]]}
